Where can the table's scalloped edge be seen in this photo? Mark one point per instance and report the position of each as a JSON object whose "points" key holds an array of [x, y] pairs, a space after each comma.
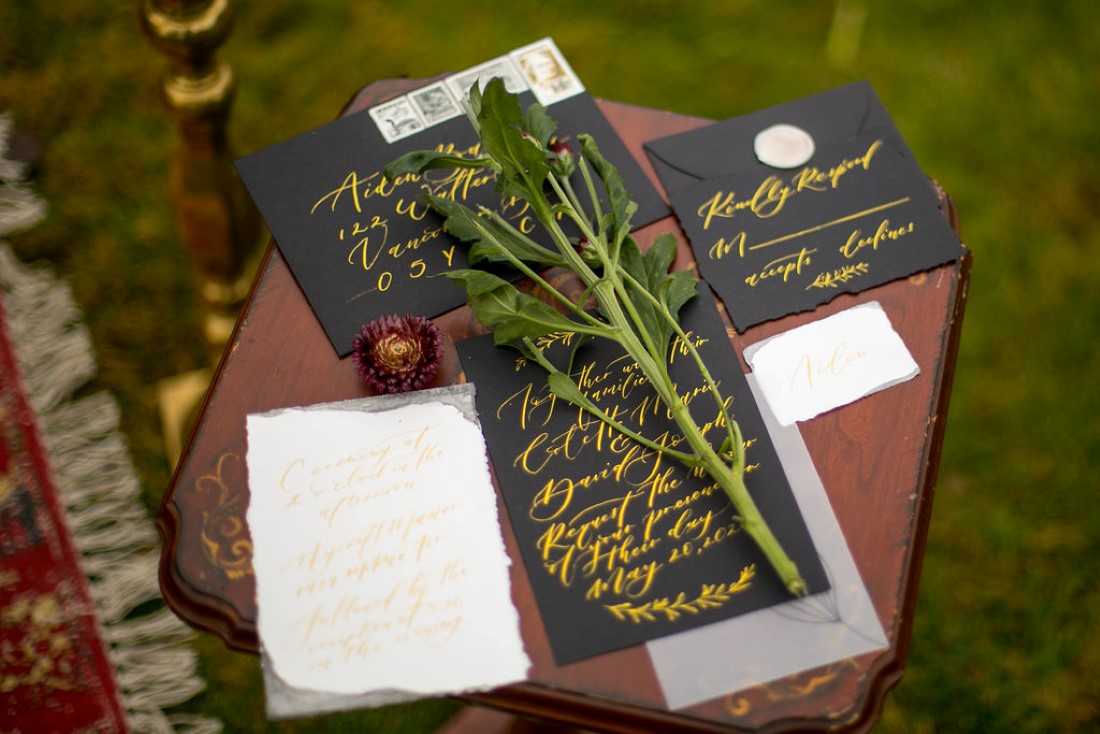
{"points": [[207, 613]]}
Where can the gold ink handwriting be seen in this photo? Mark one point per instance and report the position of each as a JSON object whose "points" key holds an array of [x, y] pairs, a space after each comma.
{"points": [[782, 267], [856, 241]]}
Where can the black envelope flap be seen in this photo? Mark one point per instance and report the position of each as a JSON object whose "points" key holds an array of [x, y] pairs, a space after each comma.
{"points": [[726, 147]]}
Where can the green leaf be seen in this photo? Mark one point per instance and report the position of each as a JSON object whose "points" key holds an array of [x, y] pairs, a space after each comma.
{"points": [[658, 259], [476, 282], [563, 386], [678, 288], [672, 290], [622, 207], [653, 323], [475, 100], [458, 218], [418, 161], [510, 313], [632, 261], [540, 124], [531, 318], [522, 161], [488, 238]]}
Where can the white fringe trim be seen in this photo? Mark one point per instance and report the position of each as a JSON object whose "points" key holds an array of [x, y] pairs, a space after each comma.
{"points": [[19, 207], [154, 664]]}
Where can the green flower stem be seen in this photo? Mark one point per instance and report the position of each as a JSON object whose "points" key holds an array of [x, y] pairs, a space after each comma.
{"points": [[549, 221], [601, 329], [647, 339], [542, 283], [572, 198], [651, 362], [577, 215], [597, 213], [689, 459], [734, 433], [611, 304], [499, 218], [729, 479], [733, 484]]}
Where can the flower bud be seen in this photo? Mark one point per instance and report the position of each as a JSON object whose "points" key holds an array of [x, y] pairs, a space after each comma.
{"points": [[563, 163], [587, 251]]}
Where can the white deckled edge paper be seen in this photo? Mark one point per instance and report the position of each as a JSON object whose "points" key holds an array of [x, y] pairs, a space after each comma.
{"points": [[829, 363], [380, 570]]}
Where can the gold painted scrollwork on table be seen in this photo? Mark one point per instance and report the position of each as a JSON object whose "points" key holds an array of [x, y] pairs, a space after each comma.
{"points": [[817, 682], [224, 541]]}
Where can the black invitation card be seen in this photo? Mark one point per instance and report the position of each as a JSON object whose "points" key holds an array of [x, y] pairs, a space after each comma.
{"points": [[622, 545]]}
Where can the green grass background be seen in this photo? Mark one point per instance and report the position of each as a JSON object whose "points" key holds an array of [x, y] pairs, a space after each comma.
{"points": [[998, 100]]}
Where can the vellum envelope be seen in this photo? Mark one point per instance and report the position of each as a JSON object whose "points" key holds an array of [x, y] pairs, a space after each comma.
{"points": [[836, 624]]}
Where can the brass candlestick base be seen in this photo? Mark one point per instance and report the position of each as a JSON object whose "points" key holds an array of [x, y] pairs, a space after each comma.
{"points": [[178, 400]]}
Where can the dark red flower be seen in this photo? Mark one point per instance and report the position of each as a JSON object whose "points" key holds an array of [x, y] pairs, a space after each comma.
{"points": [[398, 353]]}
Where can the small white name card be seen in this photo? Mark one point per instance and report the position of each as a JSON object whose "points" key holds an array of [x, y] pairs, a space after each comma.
{"points": [[823, 365], [378, 555]]}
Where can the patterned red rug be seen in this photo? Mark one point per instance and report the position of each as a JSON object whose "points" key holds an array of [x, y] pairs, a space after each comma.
{"points": [[54, 670], [86, 644]]}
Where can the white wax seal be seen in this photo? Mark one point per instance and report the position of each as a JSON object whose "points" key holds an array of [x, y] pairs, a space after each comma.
{"points": [[783, 146]]}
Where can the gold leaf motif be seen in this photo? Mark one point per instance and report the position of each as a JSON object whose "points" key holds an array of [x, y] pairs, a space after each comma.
{"points": [[711, 596], [557, 337], [840, 275]]}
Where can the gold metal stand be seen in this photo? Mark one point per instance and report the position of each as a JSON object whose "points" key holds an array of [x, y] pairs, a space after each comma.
{"points": [[218, 223]]}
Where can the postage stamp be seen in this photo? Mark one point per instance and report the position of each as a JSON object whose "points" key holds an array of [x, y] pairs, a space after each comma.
{"points": [[396, 119], [547, 72], [539, 67], [435, 103], [503, 67]]}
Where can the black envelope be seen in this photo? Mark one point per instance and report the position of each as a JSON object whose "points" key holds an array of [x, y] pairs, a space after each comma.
{"points": [[360, 248], [772, 241]]}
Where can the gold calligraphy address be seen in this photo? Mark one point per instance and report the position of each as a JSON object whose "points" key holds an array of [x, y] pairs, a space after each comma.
{"points": [[366, 239]]}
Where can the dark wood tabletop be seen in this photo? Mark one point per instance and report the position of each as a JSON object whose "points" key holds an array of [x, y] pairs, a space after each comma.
{"points": [[877, 458]]}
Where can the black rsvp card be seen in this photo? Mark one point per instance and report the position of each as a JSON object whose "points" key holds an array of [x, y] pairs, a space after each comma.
{"points": [[770, 241], [361, 247], [621, 545]]}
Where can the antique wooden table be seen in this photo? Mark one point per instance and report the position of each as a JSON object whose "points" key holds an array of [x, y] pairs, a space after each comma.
{"points": [[878, 459]]}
